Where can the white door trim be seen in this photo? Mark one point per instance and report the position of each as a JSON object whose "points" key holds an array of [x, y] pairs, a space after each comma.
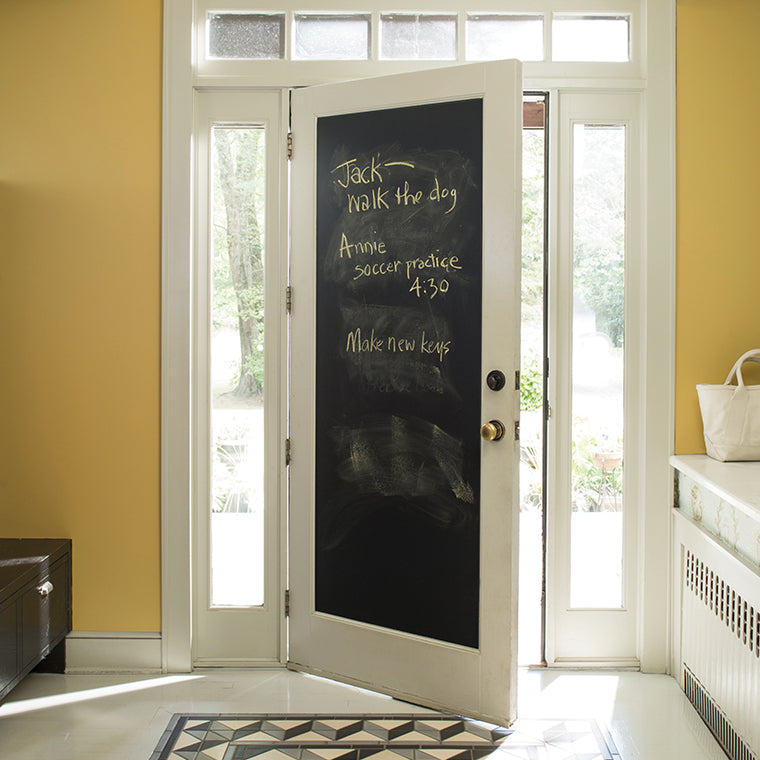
{"points": [[656, 414], [176, 348]]}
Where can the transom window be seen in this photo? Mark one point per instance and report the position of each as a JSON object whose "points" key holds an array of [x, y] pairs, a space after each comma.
{"points": [[411, 35]]}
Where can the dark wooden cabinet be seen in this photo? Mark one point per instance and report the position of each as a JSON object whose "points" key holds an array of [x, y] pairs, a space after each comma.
{"points": [[35, 604]]}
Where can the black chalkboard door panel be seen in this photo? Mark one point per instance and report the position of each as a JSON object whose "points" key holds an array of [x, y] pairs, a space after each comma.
{"points": [[405, 261]]}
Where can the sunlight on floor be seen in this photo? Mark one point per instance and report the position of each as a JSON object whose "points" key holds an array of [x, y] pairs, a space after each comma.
{"points": [[57, 700], [568, 694], [359, 689]]}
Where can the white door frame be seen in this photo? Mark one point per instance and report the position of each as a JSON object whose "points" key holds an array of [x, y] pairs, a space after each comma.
{"points": [[655, 78], [239, 636], [585, 636]]}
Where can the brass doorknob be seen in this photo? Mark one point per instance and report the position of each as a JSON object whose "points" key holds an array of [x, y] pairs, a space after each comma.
{"points": [[493, 430]]}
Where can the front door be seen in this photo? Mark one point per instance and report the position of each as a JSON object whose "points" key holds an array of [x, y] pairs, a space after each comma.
{"points": [[405, 269]]}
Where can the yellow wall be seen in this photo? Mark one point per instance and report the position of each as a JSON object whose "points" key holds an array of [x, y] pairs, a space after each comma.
{"points": [[80, 108], [718, 208], [80, 144]]}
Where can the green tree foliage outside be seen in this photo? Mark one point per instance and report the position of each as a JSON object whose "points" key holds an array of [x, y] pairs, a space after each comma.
{"points": [[533, 226], [531, 383], [599, 226], [532, 286], [238, 250]]}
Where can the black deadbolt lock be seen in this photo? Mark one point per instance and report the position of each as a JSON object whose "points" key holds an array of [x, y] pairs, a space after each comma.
{"points": [[496, 380]]}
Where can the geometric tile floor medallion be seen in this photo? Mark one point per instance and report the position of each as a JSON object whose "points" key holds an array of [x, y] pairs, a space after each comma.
{"points": [[431, 736]]}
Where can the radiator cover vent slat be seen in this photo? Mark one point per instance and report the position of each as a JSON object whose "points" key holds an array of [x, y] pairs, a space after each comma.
{"points": [[715, 719], [720, 648], [741, 618]]}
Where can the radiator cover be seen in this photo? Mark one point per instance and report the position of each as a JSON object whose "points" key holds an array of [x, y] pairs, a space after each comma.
{"points": [[719, 639]]}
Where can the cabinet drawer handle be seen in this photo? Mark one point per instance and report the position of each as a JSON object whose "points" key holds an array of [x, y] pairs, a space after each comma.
{"points": [[45, 589]]}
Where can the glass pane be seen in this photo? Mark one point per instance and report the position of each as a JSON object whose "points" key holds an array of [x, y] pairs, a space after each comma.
{"points": [[531, 399], [420, 36], [598, 340], [590, 38], [246, 35], [332, 37], [497, 36], [237, 368]]}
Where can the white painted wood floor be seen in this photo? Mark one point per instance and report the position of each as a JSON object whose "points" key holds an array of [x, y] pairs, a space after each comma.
{"points": [[122, 717]]}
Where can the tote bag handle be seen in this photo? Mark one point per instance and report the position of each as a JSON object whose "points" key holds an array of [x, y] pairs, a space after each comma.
{"points": [[753, 355], [737, 410]]}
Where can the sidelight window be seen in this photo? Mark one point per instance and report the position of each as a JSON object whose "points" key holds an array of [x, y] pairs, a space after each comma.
{"points": [[596, 554], [237, 367]]}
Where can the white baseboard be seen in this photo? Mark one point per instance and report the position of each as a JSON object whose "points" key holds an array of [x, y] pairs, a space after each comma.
{"points": [[113, 652]]}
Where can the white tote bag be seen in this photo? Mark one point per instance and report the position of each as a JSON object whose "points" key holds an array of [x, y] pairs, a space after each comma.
{"points": [[731, 415]]}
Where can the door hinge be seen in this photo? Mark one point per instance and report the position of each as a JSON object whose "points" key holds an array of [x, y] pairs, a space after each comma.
{"points": [[289, 299], [287, 602], [517, 430], [290, 146], [287, 451], [517, 380]]}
